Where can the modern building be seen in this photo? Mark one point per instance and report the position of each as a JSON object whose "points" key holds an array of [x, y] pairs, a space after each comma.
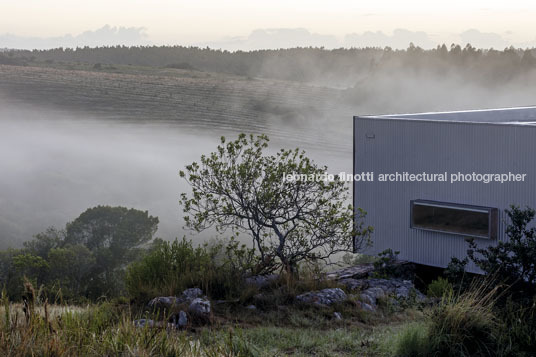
{"points": [[440, 178]]}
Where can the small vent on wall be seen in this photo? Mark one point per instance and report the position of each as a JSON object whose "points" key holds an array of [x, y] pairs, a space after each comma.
{"points": [[370, 135]]}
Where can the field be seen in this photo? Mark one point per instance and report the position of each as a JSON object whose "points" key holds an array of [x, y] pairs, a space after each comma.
{"points": [[107, 329], [189, 98]]}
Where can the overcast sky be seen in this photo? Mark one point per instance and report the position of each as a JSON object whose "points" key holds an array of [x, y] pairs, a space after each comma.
{"points": [[235, 24]]}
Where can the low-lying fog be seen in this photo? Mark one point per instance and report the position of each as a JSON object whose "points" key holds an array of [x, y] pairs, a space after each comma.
{"points": [[54, 165]]}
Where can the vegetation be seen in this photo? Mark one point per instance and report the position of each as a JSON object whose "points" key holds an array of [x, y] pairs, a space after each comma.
{"points": [[439, 288], [85, 260], [218, 268], [511, 262], [239, 187], [300, 64]]}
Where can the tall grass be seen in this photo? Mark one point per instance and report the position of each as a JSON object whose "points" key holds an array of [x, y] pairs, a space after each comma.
{"points": [[218, 269], [98, 330], [461, 325]]}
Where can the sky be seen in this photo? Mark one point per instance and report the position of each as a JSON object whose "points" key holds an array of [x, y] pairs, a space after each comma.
{"points": [[236, 24]]}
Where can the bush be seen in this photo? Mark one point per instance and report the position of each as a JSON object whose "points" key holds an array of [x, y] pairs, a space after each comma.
{"points": [[465, 325], [439, 288], [218, 269], [387, 266], [512, 262], [412, 341]]}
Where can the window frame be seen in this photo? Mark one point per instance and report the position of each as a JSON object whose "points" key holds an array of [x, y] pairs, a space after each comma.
{"points": [[492, 213]]}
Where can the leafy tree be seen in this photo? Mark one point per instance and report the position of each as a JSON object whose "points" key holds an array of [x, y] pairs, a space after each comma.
{"points": [[45, 241], [31, 266], [513, 261], [115, 236], [239, 187], [70, 266]]}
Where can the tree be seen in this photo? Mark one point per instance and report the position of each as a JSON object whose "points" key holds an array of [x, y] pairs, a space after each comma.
{"points": [[118, 230], [70, 267], [240, 188], [115, 236], [45, 241], [513, 262]]}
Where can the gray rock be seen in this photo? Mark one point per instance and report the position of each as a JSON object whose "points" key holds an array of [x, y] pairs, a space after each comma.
{"points": [[183, 319], [323, 297], [192, 293], [251, 307], [200, 307], [144, 323], [337, 315], [367, 307], [354, 272], [352, 284], [165, 302], [368, 299]]}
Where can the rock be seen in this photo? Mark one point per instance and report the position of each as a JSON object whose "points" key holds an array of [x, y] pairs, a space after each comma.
{"points": [[323, 297], [192, 293], [261, 281], [337, 315], [165, 302], [200, 307], [251, 307], [368, 299], [367, 307], [353, 284], [144, 323], [355, 272], [183, 319]]}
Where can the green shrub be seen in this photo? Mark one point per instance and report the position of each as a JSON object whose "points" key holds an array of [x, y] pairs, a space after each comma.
{"points": [[439, 288], [217, 268], [412, 341], [465, 325], [519, 339]]}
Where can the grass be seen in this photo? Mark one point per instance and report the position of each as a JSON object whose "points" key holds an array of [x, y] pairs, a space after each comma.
{"points": [[108, 329]]}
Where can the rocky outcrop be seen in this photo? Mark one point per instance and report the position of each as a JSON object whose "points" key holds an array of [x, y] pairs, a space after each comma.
{"points": [[167, 302], [199, 307], [370, 290], [323, 297], [355, 272]]}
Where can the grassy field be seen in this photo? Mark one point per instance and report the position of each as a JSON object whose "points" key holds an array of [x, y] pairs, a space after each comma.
{"points": [[190, 98], [107, 329]]}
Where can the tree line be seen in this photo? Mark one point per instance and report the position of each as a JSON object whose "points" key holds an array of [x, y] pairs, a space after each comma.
{"points": [[306, 64]]}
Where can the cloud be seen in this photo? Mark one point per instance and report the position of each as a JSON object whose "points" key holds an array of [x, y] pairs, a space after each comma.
{"points": [[484, 39], [275, 39], [299, 37], [105, 36], [401, 38]]}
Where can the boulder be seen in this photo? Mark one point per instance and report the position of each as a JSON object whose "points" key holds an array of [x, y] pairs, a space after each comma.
{"points": [[323, 297], [183, 319], [165, 302], [144, 323], [354, 272], [192, 293], [199, 307]]}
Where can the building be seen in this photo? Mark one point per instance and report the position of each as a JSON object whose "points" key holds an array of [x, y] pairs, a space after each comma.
{"points": [[440, 178]]}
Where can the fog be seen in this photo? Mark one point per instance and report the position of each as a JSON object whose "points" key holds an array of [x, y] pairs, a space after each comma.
{"points": [[56, 164], [56, 160]]}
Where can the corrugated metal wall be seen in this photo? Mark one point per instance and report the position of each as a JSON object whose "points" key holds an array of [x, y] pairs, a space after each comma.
{"points": [[417, 146]]}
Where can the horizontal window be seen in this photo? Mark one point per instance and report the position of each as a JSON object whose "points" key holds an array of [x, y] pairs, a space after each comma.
{"points": [[471, 221]]}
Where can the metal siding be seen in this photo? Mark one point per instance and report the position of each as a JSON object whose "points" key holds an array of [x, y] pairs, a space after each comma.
{"points": [[435, 147]]}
